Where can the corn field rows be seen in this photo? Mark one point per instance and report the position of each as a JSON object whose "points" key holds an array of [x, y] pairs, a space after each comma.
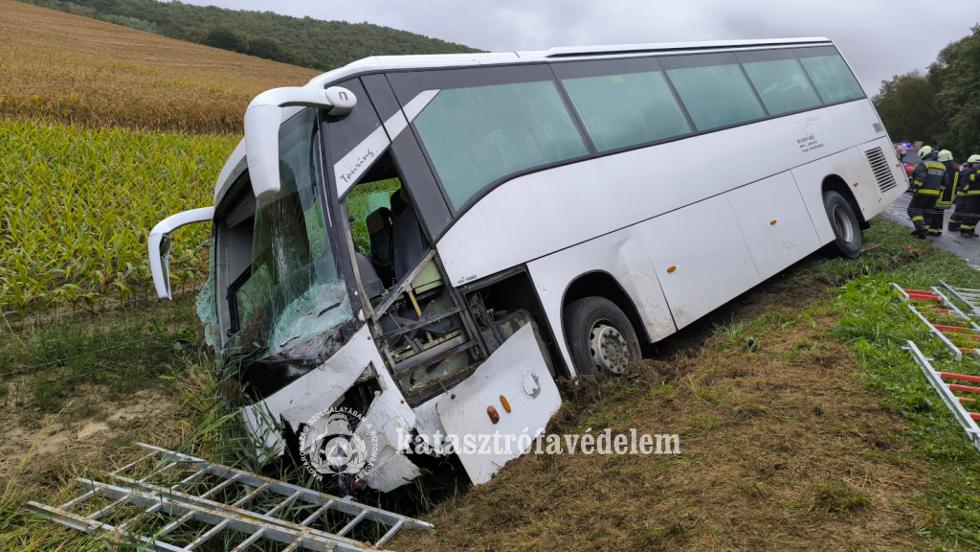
{"points": [[77, 204]]}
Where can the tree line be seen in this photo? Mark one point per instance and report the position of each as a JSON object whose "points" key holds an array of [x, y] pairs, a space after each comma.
{"points": [[940, 106], [304, 41]]}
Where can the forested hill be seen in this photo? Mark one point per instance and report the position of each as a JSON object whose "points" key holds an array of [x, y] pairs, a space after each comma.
{"points": [[303, 41]]}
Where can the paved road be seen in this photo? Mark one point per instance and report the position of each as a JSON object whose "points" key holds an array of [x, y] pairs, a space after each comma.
{"points": [[969, 249]]}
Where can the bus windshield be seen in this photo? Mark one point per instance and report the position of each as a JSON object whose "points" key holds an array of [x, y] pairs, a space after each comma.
{"points": [[293, 289]]}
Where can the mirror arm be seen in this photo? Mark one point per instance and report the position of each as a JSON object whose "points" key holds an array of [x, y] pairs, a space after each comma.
{"points": [[263, 117], [158, 246]]}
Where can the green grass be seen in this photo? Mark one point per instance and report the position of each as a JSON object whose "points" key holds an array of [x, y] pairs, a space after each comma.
{"points": [[129, 350], [876, 325], [76, 206]]}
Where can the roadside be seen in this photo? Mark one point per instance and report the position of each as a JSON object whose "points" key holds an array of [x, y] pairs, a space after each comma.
{"points": [[822, 435], [966, 249]]}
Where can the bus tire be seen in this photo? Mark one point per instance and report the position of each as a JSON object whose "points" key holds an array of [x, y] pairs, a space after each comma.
{"points": [[848, 237], [601, 339]]}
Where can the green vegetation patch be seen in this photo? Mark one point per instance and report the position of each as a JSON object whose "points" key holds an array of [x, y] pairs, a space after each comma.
{"points": [[76, 207]]}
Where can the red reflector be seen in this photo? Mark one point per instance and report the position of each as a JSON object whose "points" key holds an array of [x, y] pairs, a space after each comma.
{"points": [[492, 412]]}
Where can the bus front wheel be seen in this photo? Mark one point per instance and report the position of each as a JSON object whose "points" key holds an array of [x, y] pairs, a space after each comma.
{"points": [[601, 339], [848, 239]]}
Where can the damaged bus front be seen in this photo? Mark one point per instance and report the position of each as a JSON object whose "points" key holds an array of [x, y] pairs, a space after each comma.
{"points": [[326, 295]]}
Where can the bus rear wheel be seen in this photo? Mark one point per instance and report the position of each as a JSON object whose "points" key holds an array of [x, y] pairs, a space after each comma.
{"points": [[601, 339], [848, 238]]}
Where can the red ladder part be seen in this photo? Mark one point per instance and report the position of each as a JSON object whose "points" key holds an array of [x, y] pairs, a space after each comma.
{"points": [[959, 329], [923, 292], [964, 388], [959, 377], [965, 400]]}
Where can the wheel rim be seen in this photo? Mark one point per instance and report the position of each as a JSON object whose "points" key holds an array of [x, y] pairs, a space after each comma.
{"points": [[843, 226], [608, 348]]}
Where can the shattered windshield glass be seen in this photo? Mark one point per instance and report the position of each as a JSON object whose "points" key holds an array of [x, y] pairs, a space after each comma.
{"points": [[293, 290]]}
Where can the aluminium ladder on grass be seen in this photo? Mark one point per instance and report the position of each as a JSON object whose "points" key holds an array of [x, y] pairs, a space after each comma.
{"points": [[940, 381], [969, 296], [219, 499], [937, 303]]}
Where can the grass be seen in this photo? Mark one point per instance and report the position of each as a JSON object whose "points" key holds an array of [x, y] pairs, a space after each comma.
{"points": [[82, 407], [77, 204], [71, 69], [824, 435]]}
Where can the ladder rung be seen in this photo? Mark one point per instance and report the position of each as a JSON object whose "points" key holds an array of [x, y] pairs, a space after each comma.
{"points": [[207, 535], [249, 541], [319, 511], [255, 492], [285, 502], [964, 388], [390, 533], [115, 504], [959, 377], [221, 485], [134, 462], [357, 519]]}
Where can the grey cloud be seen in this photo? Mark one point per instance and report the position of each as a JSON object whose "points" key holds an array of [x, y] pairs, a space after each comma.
{"points": [[880, 38]]}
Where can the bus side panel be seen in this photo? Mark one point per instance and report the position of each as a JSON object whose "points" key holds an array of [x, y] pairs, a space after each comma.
{"points": [[700, 257], [775, 222], [536, 214], [852, 167], [623, 256]]}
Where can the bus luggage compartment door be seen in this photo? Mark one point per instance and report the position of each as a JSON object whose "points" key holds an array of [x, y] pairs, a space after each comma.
{"points": [[496, 413]]}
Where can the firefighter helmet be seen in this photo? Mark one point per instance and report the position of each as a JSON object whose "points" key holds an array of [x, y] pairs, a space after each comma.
{"points": [[924, 151], [975, 158], [945, 155]]}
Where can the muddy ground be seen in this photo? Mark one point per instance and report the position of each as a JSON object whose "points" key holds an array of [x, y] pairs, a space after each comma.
{"points": [[781, 448]]}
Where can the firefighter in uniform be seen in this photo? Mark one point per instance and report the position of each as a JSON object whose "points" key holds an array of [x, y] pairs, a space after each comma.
{"points": [[967, 213], [963, 186], [928, 181], [948, 195]]}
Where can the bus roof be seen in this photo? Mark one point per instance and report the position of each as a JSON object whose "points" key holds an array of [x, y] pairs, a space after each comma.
{"points": [[233, 166], [432, 61]]}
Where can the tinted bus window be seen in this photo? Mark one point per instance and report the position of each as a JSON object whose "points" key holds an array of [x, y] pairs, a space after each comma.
{"points": [[476, 135], [623, 102], [714, 90], [831, 76], [780, 81]]}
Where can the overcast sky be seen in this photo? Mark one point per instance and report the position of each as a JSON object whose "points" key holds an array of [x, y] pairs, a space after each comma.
{"points": [[880, 38]]}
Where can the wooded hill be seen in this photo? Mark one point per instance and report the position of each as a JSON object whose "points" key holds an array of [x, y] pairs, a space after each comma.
{"points": [[303, 41], [941, 106]]}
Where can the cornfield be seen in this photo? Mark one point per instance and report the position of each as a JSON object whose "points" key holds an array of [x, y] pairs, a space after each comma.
{"points": [[77, 204], [70, 69]]}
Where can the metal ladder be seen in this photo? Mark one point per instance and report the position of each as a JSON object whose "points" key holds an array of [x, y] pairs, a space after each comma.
{"points": [[969, 296], [958, 339], [172, 501], [940, 381]]}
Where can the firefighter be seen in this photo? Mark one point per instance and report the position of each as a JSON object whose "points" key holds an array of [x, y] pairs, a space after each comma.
{"points": [[963, 186], [928, 180], [947, 196], [968, 197]]}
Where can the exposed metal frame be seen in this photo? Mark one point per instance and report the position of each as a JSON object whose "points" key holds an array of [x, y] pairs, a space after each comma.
{"points": [[170, 499]]}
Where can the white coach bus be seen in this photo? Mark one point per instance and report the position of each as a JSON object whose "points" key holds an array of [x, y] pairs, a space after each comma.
{"points": [[431, 241]]}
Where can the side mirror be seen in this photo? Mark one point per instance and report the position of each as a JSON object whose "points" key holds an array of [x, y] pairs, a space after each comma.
{"points": [[263, 118], [159, 245]]}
